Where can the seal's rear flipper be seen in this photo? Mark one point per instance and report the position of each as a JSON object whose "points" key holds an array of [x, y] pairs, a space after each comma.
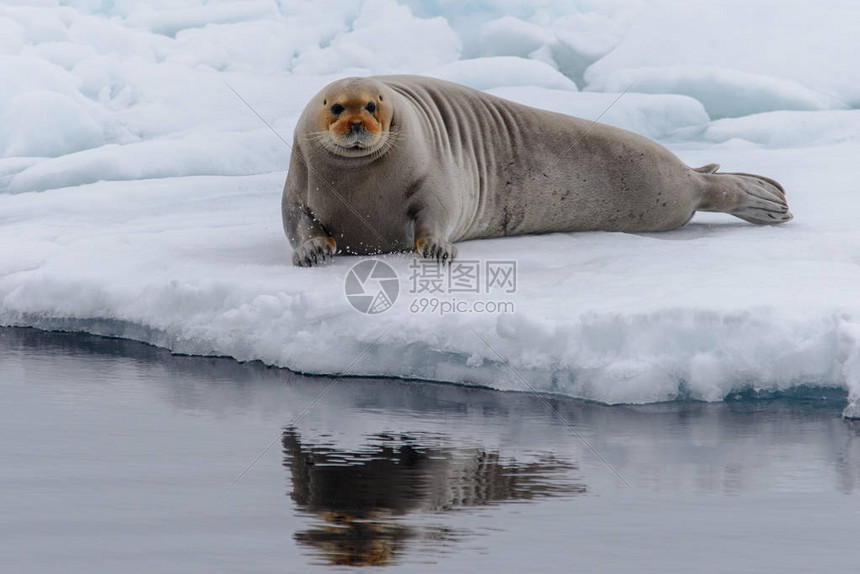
{"points": [[710, 168], [762, 200], [751, 197]]}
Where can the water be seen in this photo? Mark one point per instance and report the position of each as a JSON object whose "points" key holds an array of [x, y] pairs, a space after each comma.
{"points": [[117, 456]]}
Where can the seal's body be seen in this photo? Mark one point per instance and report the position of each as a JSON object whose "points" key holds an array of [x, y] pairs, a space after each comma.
{"points": [[393, 163]]}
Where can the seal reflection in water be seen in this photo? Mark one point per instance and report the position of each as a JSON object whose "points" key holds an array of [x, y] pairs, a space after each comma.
{"points": [[359, 496], [394, 163]]}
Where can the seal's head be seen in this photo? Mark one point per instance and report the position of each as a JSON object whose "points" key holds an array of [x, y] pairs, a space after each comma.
{"points": [[353, 118]]}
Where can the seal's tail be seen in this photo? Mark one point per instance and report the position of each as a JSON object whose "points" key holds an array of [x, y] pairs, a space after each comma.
{"points": [[751, 197]]}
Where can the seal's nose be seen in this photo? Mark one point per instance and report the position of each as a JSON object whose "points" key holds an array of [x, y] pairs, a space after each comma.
{"points": [[356, 126]]}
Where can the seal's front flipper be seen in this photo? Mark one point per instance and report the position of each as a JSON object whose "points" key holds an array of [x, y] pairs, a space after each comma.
{"points": [[431, 238], [314, 251], [435, 248]]}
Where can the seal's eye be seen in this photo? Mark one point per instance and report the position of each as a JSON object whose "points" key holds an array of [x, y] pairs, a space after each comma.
{"points": [[370, 107], [337, 109]]}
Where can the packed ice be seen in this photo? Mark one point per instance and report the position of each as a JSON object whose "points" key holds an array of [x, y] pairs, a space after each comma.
{"points": [[144, 145]]}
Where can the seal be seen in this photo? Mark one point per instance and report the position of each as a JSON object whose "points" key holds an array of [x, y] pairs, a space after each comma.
{"points": [[394, 163]]}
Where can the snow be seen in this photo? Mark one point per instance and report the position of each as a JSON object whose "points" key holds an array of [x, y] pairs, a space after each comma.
{"points": [[509, 36], [495, 71], [139, 197], [724, 93], [781, 47], [43, 123], [385, 37], [785, 129]]}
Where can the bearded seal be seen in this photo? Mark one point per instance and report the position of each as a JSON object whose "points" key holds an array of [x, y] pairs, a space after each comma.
{"points": [[394, 163]]}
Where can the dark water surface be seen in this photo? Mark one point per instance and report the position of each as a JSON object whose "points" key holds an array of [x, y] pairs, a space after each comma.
{"points": [[120, 457]]}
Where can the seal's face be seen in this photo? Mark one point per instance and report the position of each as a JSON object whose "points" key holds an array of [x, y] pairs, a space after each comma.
{"points": [[355, 118]]}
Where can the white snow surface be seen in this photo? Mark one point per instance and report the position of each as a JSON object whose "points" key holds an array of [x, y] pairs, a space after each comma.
{"points": [[139, 196]]}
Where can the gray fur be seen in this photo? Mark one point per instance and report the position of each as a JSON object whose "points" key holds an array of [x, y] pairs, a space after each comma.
{"points": [[462, 164]]}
